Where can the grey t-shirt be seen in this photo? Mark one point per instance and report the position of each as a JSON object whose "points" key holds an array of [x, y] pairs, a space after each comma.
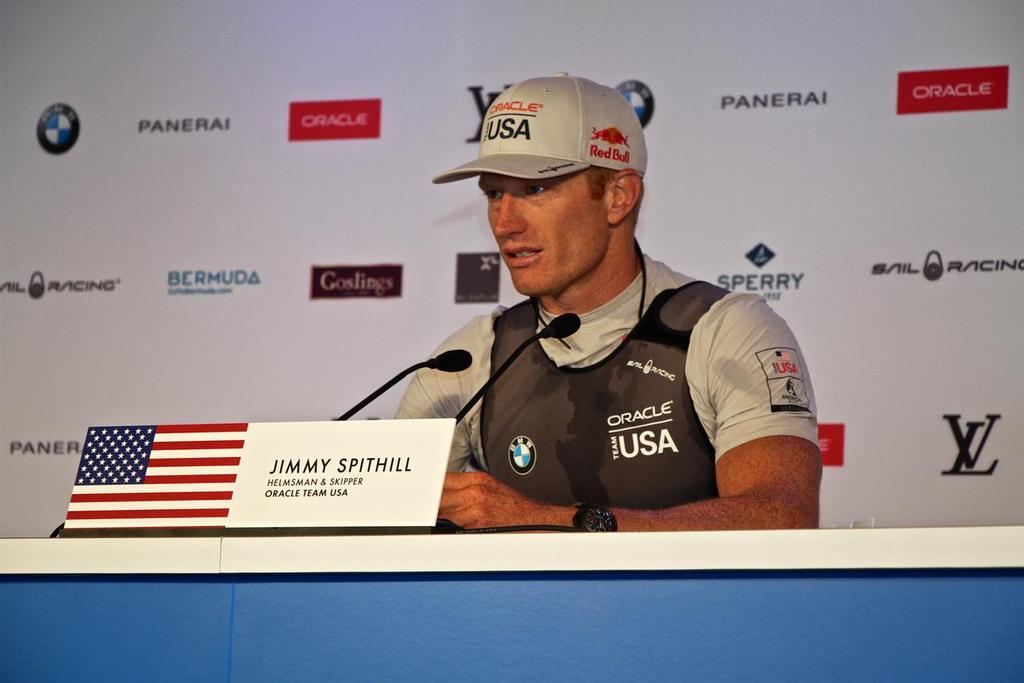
{"points": [[745, 371]]}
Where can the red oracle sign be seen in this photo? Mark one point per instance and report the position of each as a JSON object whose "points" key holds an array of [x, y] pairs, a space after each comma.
{"points": [[925, 92], [334, 120], [830, 440]]}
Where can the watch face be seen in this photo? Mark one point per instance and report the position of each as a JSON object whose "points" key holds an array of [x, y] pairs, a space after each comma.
{"points": [[595, 518]]}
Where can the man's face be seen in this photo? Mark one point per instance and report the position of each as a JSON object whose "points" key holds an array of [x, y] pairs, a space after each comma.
{"points": [[553, 237]]}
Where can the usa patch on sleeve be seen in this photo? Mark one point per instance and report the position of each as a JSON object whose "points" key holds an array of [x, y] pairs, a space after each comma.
{"points": [[783, 371]]}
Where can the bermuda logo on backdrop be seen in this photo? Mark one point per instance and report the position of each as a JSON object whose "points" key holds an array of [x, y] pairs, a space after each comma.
{"points": [[640, 98], [968, 455], [37, 286], [769, 285], [190, 282], [831, 442], [334, 120], [44, 447], [477, 277], [927, 92], [185, 125], [933, 267], [775, 100], [57, 128], [347, 282]]}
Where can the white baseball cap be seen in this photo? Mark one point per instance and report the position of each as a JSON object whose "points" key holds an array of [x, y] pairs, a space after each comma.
{"points": [[549, 127]]}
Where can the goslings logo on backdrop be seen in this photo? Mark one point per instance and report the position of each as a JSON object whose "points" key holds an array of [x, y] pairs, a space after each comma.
{"points": [[640, 98], [334, 120], [345, 282], [185, 125], [44, 447], [769, 285], [970, 441], [37, 286], [190, 282], [57, 128], [927, 92], [934, 267], [477, 277], [775, 100], [831, 441]]}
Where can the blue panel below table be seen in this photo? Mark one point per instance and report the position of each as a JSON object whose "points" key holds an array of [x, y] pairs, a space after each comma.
{"points": [[588, 626]]}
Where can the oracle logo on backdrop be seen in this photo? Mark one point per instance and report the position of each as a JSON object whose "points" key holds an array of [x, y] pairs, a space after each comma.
{"points": [[334, 120], [925, 92]]}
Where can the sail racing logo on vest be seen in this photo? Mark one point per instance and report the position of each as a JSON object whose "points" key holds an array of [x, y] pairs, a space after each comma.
{"points": [[641, 432], [769, 285], [190, 282], [522, 455], [649, 368]]}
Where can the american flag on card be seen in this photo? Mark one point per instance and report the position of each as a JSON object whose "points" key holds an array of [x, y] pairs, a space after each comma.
{"points": [[146, 476]]}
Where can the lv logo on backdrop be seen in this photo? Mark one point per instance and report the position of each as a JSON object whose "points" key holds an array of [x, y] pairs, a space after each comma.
{"points": [[966, 462]]}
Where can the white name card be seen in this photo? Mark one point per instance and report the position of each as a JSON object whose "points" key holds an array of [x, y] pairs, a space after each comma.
{"points": [[377, 473]]}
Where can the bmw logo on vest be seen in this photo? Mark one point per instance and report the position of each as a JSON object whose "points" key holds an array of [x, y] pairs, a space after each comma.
{"points": [[522, 455]]}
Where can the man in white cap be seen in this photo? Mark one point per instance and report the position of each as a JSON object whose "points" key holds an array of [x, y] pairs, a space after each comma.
{"points": [[677, 404]]}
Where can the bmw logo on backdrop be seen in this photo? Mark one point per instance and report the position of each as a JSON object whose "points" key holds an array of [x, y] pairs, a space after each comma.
{"points": [[57, 129], [640, 98]]}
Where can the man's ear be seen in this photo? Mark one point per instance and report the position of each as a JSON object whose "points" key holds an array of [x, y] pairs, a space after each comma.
{"points": [[621, 195]]}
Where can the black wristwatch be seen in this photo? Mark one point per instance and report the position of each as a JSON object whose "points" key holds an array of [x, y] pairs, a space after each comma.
{"points": [[590, 517]]}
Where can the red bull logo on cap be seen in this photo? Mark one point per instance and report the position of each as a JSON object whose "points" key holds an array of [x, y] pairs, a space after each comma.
{"points": [[613, 137]]}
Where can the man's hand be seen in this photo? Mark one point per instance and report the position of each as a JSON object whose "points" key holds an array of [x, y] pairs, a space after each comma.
{"points": [[476, 499]]}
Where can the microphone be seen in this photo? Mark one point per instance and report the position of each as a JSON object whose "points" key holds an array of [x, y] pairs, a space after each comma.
{"points": [[559, 328], [455, 360]]}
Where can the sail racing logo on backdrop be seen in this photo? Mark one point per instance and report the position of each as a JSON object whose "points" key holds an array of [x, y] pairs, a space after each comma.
{"points": [[769, 285], [37, 286], [347, 282], [934, 267], [191, 282], [334, 120], [968, 456], [942, 90], [57, 128]]}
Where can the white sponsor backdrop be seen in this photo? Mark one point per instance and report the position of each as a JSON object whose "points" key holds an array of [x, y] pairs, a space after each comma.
{"points": [[832, 189]]}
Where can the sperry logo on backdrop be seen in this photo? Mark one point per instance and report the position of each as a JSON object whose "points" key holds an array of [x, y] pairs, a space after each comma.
{"points": [[334, 120], [342, 282], [925, 92]]}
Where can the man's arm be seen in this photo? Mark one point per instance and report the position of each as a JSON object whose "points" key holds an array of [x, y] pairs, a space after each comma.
{"points": [[768, 483]]}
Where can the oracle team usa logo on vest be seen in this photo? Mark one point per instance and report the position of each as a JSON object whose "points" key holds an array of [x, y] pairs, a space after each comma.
{"points": [[641, 432]]}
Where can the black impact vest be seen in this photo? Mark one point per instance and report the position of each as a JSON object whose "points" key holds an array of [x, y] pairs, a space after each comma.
{"points": [[622, 432]]}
